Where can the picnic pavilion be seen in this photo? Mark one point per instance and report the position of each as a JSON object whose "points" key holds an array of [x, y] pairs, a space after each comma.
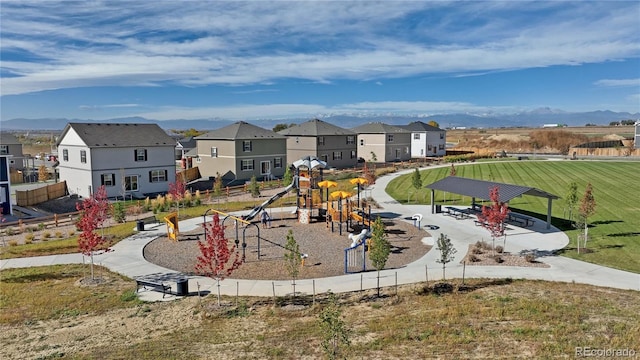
{"points": [[480, 189]]}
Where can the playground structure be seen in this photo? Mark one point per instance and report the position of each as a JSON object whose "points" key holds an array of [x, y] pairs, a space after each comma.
{"points": [[347, 213]]}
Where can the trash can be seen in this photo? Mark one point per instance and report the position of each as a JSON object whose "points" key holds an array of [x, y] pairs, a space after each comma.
{"points": [[182, 287], [140, 225], [438, 209]]}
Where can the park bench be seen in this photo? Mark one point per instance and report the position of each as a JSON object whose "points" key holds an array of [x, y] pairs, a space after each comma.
{"points": [[146, 221], [166, 289]]}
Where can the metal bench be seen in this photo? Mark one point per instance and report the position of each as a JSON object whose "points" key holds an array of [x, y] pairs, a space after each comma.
{"points": [[166, 289]]}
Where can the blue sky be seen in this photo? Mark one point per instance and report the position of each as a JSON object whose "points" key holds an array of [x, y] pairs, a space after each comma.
{"points": [[251, 60]]}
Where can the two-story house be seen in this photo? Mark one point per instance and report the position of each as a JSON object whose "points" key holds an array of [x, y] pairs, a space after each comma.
{"points": [[426, 140], [239, 151], [332, 144], [128, 159], [10, 145], [636, 140], [387, 142]]}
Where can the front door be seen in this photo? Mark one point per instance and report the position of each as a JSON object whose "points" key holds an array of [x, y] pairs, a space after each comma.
{"points": [[265, 167]]}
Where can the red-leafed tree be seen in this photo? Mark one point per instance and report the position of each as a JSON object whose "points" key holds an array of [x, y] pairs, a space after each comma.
{"points": [[177, 190], [217, 259], [93, 213], [492, 217]]}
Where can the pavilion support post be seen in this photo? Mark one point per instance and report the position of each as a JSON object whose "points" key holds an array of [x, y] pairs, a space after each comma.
{"points": [[549, 213], [433, 205]]}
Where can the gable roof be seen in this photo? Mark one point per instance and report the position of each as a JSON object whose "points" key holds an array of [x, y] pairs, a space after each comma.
{"points": [[420, 126], [8, 138], [188, 142], [379, 128], [240, 131], [97, 135], [315, 127], [480, 189]]}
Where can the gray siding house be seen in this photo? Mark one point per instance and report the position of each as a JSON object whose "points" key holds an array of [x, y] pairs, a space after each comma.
{"points": [[332, 144], [9, 145], [5, 186], [387, 142], [240, 151], [128, 159], [426, 140], [637, 137]]}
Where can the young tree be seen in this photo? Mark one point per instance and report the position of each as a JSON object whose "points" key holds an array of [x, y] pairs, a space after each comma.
{"points": [[492, 217], [416, 182], [217, 258], [434, 123], [254, 187], [287, 178], [587, 208], [334, 330], [447, 252], [452, 171], [571, 199], [93, 213], [43, 174], [217, 185], [177, 190], [380, 248], [292, 258]]}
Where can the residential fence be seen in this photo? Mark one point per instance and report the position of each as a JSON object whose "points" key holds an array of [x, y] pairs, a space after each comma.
{"points": [[40, 195]]}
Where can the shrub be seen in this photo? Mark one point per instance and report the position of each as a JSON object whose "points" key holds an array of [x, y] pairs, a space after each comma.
{"points": [[28, 241], [119, 213], [499, 249], [530, 258], [13, 243], [46, 235], [483, 245], [71, 233], [41, 226], [59, 234], [30, 237], [473, 258], [9, 231], [476, 250], [498, 259]]}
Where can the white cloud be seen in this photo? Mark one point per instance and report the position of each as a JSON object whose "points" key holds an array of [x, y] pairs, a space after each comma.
{"points": [[618, 82], [65, 45]]}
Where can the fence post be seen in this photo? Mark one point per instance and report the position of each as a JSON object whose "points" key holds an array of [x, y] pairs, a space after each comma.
{"points": [[55, 219]]}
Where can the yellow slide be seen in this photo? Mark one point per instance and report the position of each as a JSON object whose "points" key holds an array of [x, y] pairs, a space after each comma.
{"points": [[355, 216]]}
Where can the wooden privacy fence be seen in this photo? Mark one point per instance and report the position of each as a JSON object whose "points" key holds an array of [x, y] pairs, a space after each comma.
{"points": [[190, 174], [40, 195]]}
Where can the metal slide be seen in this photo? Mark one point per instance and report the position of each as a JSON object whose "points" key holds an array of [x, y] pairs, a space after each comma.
{"points": [[275, 197]]}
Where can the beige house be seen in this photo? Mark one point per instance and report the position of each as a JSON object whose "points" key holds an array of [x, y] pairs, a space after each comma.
{"points": [[332, 144], [240, 151], [10, 145], [387, 142]]}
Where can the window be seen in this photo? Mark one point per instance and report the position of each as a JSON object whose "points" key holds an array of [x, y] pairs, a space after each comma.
{"points": [[390, 138], [140, 155], [65, 155], [416, 136], [361, 142], [83, 156], [4, 149], [108, 179], [246, 165], [320, 140], [324, 157], [406, 150], [214, 152], [351, 139], [337, 155], [277, 163], [441, 147], [157, 176], [246, 145], [430, 146], [353, 154], [131, 183], [441, 135]]}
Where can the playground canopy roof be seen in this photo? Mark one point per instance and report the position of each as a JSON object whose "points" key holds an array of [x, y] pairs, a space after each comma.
{"points": [[310, 162], [480, 189]]}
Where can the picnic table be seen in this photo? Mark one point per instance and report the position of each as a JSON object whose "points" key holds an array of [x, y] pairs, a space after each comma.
{"points": [[521, 219], [457, 213]]}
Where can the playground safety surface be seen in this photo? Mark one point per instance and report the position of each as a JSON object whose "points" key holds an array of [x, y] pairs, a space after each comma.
{"points": [[325, 249]]}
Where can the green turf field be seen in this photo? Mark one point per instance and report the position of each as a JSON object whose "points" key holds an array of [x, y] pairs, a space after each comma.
{"points": [[614, 234]]}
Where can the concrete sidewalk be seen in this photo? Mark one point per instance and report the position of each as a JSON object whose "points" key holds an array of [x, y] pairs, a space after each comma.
{"points": [[126, 258]]}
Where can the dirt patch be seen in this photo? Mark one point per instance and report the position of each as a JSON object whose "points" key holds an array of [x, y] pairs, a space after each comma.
{"points": [[484, 255]]}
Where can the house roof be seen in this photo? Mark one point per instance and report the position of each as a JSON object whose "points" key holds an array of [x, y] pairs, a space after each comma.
{"points": [[240, 131], [417, 126], [315, 127], [96, 135], [379, 128], [8, 138], [480, 189], [188, 142]]}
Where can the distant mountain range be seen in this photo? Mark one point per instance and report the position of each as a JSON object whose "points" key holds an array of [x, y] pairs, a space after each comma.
{"points": [[535, 118]]}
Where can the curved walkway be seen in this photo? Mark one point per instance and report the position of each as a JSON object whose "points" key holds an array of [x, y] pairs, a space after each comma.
{"points": [[126, 258]]}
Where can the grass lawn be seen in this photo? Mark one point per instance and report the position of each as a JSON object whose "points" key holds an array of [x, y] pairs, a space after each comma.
{"points": [[614, 233]]}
